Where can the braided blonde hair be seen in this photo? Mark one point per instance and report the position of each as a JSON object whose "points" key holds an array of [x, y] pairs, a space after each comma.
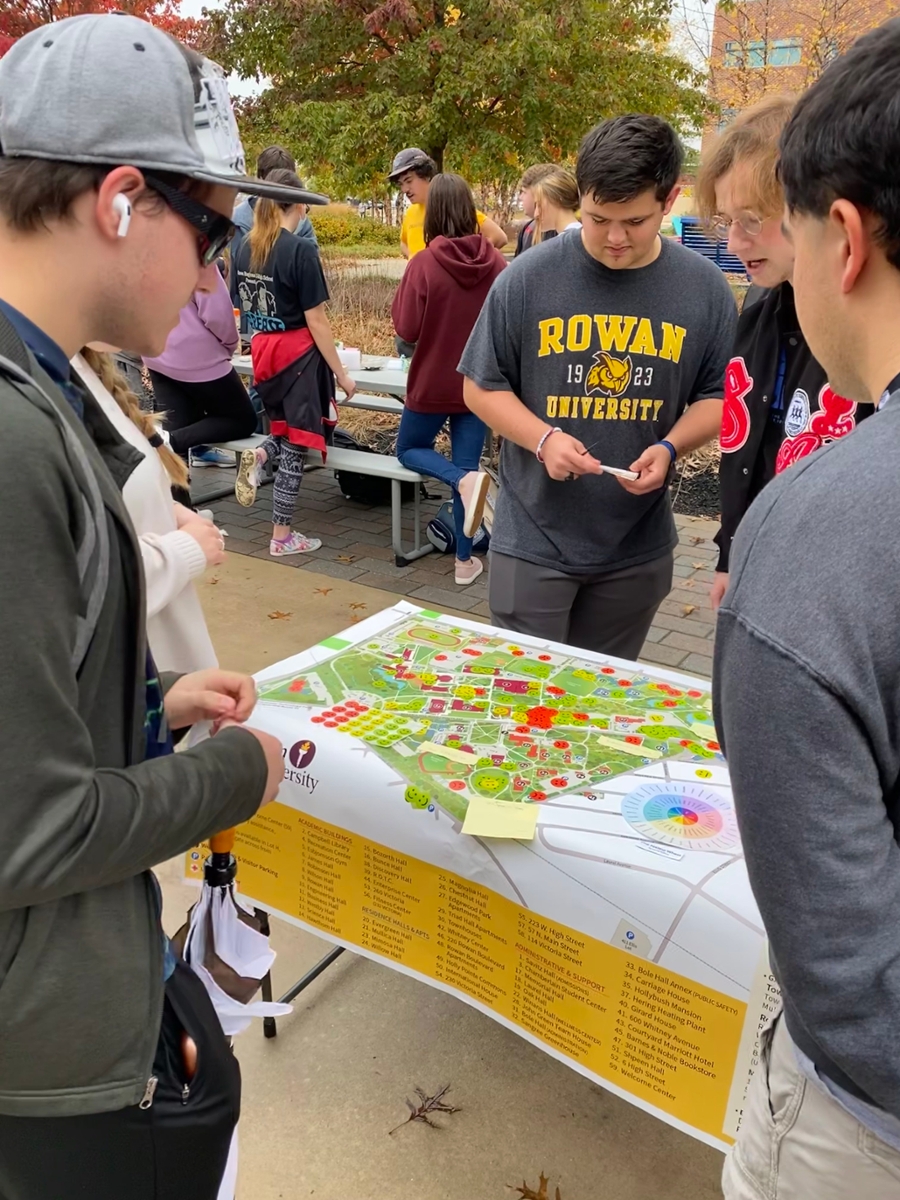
{"points": [[104, 367]]}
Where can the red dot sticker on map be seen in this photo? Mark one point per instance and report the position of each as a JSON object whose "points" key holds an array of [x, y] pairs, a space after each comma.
{"points": [[544, 658], [473, 653], [633, 741], [669, 704], [608, 670], [559, 782], [331, 724], [624, 682], [695, 695], [579, 716], [317, 720], [297, 685], [713, 746], [561, 745], [537, 795], [440, 658], [555, 691], [456, 785]]}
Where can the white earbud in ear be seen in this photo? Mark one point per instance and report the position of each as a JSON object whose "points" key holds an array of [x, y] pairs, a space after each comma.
{"points": [[122, 206]]}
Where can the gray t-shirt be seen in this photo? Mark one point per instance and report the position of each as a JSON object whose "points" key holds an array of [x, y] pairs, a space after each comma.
{"points": [[612, 358]]}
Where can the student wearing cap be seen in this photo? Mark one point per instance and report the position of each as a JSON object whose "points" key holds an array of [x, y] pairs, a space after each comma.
{"points": [[412, 171], [807, 675], [121, 159]]}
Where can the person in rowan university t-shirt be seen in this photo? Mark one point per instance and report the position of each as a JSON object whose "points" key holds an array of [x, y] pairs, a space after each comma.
{"points": [[605, 345]]}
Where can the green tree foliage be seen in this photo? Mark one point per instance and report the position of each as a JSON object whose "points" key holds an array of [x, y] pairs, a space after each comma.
{"points": [[485, 88]]}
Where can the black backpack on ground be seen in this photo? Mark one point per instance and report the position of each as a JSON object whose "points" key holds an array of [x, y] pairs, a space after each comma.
{"points": [[367, 489]]}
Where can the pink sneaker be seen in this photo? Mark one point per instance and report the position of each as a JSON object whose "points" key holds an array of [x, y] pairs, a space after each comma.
{"points": [[294, 543], [468, 572]]}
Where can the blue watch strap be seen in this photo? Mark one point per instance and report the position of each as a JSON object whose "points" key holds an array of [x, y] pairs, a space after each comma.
{"points": [[671, 449]]}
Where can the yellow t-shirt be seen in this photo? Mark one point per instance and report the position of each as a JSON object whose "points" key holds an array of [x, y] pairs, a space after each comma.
{"points": [[412, 231]]}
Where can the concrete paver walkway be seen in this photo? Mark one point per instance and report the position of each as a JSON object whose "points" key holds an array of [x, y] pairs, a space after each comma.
{"points": [[356, 547]]}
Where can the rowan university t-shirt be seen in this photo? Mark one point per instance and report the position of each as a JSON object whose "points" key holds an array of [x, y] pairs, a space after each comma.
{"points": [[612, 358], [276, 297]]}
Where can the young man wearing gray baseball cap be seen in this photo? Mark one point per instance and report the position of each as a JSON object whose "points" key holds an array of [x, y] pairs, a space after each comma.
{"points": [[120, 162], [412, 172]]}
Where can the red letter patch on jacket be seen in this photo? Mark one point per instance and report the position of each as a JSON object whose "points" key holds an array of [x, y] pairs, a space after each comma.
{"points": [[736, 415]]}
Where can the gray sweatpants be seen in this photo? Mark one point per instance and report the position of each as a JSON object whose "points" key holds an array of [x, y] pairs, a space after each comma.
{"points": [[609, 613]]}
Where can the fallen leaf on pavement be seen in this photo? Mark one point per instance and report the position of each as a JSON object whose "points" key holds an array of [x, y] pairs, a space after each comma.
{"points": [[698, 566], [279, 616], [357, 607], [322, 591], [427, 1107], [527, 1193], [697, 541], [688, 609], [348, 558], [212, 582]]}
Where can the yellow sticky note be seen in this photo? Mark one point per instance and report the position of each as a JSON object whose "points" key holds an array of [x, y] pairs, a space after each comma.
{"points": [[629, 747], [448, 752], [486, 817], [707, 732]]}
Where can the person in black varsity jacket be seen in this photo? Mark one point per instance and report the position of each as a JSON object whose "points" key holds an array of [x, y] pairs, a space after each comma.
{"points": [[779, 406]]}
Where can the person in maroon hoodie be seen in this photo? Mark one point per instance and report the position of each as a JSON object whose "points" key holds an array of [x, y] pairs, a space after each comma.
{"points": [[436, 306]]}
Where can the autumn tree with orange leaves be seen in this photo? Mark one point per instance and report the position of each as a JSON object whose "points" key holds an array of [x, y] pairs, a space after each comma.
{"points": [[18, 17]]}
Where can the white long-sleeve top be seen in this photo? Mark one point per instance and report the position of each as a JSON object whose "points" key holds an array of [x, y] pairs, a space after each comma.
{"points": [[176, 628]]}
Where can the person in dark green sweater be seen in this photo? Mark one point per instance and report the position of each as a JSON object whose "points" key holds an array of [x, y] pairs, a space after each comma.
{"points": [[116, 199]]}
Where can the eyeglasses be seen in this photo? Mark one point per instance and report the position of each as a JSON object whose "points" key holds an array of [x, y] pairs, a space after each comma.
{"points": [[214, 231], [751, 224]]}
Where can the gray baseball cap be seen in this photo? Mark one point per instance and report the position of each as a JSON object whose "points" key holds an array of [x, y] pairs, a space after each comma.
{"points": [[107, 88], [406, 160]]}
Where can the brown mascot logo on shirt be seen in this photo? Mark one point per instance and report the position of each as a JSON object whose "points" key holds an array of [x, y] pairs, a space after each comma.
{"points": [[609, 376]]}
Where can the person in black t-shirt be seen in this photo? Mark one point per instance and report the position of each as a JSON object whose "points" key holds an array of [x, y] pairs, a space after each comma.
{"points": [[279, 286]]}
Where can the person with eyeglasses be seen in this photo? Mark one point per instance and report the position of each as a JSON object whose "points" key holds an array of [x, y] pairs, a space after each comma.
{"points": [[121, 160], [779, 405]]}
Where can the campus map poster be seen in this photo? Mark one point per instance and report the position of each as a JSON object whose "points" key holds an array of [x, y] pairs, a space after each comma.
{"points": [[623, 938]]}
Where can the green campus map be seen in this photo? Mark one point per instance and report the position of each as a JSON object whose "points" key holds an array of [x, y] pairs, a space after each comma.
{"points": [[459, 713]]}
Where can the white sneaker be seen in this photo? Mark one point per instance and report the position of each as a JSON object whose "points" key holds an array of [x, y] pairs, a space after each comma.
{"points": [[474, 503]]}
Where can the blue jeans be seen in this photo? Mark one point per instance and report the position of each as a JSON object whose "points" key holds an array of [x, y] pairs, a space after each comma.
{"points": [[415, 449]]}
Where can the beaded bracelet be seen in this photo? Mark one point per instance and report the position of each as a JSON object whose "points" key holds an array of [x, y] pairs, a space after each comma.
{"points": [[540, 445]]}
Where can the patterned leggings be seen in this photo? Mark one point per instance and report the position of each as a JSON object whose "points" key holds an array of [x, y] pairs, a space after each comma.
{"points": [[288, 461]]}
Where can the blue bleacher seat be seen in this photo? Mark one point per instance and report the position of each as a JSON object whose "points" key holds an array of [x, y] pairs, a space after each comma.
{"points": [[693, 236]]}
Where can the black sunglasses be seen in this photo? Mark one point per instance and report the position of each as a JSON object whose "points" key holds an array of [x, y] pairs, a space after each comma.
{"points": [[214, 231]]}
